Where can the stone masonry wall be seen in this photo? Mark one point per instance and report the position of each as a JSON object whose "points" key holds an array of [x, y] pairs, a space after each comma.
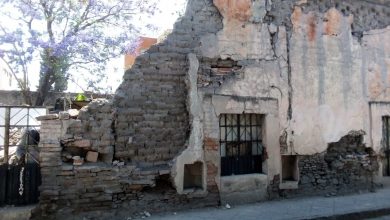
{"points": [[101, 190], [347, 166]]}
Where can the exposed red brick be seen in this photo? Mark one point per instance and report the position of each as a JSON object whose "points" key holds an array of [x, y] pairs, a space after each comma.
{"points": [[211, 169], [235, 9], [333, 20], [312, 28], [211, 144]]}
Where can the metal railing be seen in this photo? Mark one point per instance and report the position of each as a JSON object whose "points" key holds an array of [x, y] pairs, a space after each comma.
{"points": [[16, 121]]}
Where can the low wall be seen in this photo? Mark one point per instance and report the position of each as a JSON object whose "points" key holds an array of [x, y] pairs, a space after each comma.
{"points": [[16, 97], [100, 189], [348, 166]]}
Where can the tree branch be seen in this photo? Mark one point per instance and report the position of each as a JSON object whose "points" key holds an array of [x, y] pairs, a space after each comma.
{"points": [[21, 58], [13, 73], [49, 20]]}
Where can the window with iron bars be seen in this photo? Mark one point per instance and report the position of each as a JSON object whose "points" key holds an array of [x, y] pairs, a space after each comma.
{"points": [[241, 145]]}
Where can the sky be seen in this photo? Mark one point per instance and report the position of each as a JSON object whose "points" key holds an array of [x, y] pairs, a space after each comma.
{"points": [[170, 11], [163, 20]]}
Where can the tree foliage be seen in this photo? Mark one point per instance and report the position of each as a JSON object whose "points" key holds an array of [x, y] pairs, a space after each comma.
{"points": [[66, 37]]}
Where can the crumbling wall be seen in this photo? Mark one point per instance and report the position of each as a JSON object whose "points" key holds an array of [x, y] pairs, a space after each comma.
{"points": [[145, 127], [101, 190], [152, 123], [320, 60], [335, 73], [346, 166], [92, 131], [369, 15], [327, 57], [310, 67]]}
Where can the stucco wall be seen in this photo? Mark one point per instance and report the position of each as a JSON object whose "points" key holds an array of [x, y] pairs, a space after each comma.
{"points": [[333, 78], [311, 68], [320, 60]]}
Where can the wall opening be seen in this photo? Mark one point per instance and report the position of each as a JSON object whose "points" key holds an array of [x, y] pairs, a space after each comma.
{"points": [[193, 176], [241, 144], [289, 168]]}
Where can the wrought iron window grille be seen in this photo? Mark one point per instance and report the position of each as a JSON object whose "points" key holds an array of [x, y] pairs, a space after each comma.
{"points": [[241, 145]]}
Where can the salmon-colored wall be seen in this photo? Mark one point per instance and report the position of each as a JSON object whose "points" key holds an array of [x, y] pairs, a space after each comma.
{"points": [[146, 43]]}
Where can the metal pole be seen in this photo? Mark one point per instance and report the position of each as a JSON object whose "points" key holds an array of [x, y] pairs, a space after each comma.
{"points": [[6, 133], [387, 146], [28, 136]]}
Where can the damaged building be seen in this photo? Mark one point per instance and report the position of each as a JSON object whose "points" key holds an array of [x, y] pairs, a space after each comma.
{"points": [[246, 100]]}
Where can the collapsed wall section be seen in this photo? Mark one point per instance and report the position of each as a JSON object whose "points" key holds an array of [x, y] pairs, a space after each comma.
{"points": [[100, 190], [145, 126], [271, 58], [152, 123], [346, 166], [91, 132]]}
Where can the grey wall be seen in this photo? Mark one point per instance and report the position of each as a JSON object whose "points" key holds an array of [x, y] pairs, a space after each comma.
{"points": [[16, 98]]}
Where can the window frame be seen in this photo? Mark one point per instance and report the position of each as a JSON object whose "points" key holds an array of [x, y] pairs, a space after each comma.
{"points": [[236, 148]]}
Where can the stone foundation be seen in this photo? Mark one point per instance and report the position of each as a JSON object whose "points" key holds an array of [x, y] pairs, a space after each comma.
{"points": [[347, 166]]}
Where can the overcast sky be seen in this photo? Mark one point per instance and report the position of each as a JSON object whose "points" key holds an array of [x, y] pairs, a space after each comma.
{"points": [[164, 20]]}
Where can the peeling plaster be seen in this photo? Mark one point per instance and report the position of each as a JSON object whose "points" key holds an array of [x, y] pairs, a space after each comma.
{"points": [[194, 151], [242, 37]]}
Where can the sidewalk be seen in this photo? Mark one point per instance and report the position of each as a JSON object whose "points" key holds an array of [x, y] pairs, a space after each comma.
{"points": [[359, 206], [16, 213]]}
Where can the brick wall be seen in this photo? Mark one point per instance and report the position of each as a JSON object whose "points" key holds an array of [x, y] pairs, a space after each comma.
{"points": [[96, 130], [152, 120], [99, 190], [146, 123]]}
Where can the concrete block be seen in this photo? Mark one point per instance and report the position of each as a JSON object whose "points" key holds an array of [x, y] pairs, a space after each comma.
{"points": [[47, 117]]}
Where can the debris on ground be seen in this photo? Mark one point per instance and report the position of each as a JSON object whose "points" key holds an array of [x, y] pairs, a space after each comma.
{"points": [[147, 214]]}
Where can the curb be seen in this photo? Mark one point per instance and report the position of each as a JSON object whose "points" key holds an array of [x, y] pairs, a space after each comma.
{"points": [[356, 215]]}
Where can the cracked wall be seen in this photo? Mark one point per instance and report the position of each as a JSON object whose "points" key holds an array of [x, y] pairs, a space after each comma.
{"points": [[334, 76], [151, 101], [315, 70], [320, 60]]}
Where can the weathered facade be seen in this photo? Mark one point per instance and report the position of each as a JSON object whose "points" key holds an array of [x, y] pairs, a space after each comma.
{"points": [[244, 101]]}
